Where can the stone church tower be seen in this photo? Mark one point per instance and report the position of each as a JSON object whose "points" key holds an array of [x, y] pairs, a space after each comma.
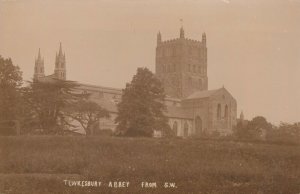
{"points": [[60, 65], [181, 65], [59, 70], [39, 67]]}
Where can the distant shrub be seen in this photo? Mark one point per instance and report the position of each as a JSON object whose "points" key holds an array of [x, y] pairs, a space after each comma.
{"points": [[285, 133], [253, 130]]}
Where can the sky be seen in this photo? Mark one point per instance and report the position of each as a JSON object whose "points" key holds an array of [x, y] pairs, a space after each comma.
{"points": [[253, 46]]}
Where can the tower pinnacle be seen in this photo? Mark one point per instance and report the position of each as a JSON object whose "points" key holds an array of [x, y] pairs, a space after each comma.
{"points": [[39, 55], [60, 49], [204, 38], [158, 37], [242, 116], [181, 32], [39, 66], [60, 64]]}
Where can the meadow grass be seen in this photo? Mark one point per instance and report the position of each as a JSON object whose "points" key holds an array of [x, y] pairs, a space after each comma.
{"points": [[39, 164]]}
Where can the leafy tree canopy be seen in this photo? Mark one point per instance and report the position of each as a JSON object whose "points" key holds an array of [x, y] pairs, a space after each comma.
{"points": [[10, 82], [48, 100], [259, 122], [141, 110], [253, 129], [87, 113]]}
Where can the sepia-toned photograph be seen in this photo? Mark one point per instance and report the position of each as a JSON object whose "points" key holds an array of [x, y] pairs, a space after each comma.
{"points": [[150, 96]]}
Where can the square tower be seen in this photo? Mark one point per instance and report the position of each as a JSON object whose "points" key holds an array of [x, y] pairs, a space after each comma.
{"points": [[181, 65]]}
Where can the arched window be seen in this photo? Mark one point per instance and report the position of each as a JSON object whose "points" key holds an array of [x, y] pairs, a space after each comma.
{"points": [[194, 68], [219, 111], [226, 112], [199, 69], [190, 81], [175, 126], [198, 125], [200, 83], [186, 129]]}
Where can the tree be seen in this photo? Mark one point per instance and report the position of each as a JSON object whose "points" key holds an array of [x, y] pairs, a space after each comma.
{"points": [[141, 110], [10, 83], [253, 129], [285, 133], [48, 102], [87, 113], [259, 122]]}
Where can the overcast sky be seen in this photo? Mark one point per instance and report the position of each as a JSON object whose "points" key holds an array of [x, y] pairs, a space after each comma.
{"points": [[253, 46]]}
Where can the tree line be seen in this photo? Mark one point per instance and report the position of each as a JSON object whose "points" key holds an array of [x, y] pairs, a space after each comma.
{"points": [[50, 107]]}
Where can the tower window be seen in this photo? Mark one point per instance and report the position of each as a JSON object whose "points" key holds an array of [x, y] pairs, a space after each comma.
{"points": [[175, 126], [200, 83], [194, 68], [190, 81], [186, 129]]}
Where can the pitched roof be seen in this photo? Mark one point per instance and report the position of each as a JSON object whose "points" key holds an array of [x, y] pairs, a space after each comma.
{"points": [[100, 88], [203, 94]]}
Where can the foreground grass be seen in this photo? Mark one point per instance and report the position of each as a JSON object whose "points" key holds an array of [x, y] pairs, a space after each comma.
{"points": [[39, 164]]}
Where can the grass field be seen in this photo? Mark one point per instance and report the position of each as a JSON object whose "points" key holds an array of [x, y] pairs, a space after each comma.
{"points": [[40, 164]]}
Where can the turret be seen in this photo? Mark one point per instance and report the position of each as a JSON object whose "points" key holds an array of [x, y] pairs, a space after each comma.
{"points": [[158, 38], [204, 38], [181, 32], [39, 67], [60, 64], [242, 116]]}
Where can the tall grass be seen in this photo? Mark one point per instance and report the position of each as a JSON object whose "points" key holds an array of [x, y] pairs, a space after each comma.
{"points": [[39, 164]]}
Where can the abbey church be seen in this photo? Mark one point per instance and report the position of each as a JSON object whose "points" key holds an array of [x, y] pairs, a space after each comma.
{"points": [[181, 65]]}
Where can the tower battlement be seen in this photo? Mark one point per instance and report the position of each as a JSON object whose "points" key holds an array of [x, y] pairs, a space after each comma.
{"points": [[181, 64], [179, 40]]}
